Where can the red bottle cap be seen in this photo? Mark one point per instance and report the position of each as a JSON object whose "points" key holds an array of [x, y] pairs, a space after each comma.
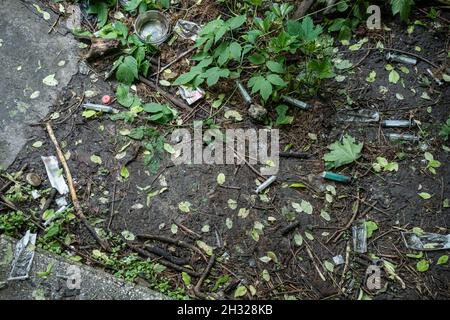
{"points": [[106, 99]]}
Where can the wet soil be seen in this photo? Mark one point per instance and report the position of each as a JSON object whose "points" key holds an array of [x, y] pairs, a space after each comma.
{"points": [[389, 199]]}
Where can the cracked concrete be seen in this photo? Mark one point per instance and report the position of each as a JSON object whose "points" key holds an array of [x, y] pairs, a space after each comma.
{"points": [[28, 54], [67, 280]]}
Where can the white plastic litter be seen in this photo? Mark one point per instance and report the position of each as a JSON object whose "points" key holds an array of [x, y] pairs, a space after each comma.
{"points": [[61, 202], [426, 241], [23, 257], [338, 260], [54, 175], [191, 95], [187, 29], [56, 215], [35, 194]]}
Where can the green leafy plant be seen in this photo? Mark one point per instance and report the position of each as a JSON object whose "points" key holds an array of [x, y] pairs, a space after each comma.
{"points": [[101, 8], [423, 265], [342, 153], [282, 117], [445, 130], [371, 227], [133, 61], [214, 55], [224, 52], [355, 15], [432, 163], [382, 164], [12, 222], [433, 13], [160, 113], [402, 7]]}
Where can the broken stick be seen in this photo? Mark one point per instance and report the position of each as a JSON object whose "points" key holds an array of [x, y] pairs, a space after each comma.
{"points": [[165, 94], [198, 286], [73, 194]]}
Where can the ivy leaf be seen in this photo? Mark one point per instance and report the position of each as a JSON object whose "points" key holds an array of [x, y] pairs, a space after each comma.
{"points": [[240, 291], [342, 153], [186, 278], [394, 77], [202, 245], [96, 159], [128, 235], [124, 173], [423, 265], [371, 226], [220, 179], [184, 206], [329, 266], [425, 195], [442, 260]]}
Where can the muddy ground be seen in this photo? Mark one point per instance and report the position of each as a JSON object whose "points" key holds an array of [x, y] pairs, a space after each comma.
{"points": [[389, 199]]}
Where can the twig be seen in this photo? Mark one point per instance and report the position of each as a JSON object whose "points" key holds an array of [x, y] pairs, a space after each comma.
{"points": [[290, 227], [302, 9], [73, 194], [164, 254], [298, 155], [159, 70], [48, 202], [164, 262], [177, 102], [360, 61], [347, 258], [173, 61], [112, 204], [54, 24], [10, 182], [179, 243], [208, 268], [193, 234], [314, 263], [197, 288], [248, 164], [8, 203]]}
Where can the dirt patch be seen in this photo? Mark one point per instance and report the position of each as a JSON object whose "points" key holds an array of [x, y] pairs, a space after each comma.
{"points": [[389, 199]]}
